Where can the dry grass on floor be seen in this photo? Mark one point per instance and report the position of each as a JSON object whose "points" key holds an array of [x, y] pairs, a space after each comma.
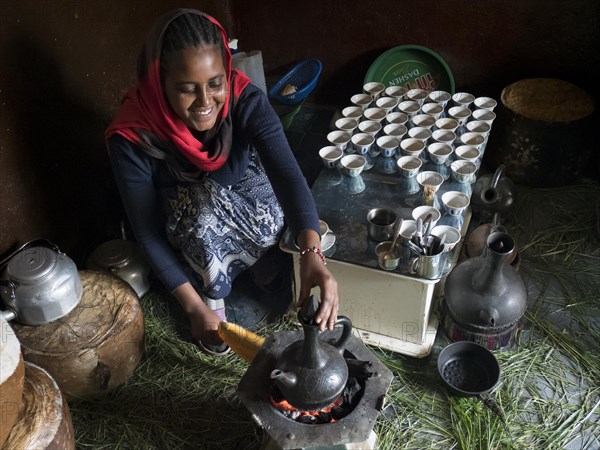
{"points": [[179, 398]]}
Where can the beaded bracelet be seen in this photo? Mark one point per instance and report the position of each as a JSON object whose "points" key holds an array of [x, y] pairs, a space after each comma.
{"points": [[316, 251]]}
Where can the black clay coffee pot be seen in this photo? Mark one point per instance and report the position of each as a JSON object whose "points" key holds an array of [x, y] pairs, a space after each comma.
{"points": [[312, 374], [485, 296]]}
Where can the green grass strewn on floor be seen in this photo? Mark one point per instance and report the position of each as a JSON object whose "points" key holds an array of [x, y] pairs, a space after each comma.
{"points": [[549, 392]]}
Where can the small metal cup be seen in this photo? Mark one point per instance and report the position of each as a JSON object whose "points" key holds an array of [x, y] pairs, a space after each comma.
{"points": [[380, 224], [428, 266], [389, 263]]}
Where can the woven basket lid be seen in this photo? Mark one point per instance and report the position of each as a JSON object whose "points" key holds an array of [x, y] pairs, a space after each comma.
{"points": [[547, 99]]}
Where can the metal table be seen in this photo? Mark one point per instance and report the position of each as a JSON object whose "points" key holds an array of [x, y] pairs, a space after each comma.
{"points": [[390, 309]]}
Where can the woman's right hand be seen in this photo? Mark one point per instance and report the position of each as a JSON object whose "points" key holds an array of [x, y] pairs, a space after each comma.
{"points": [[313, 273], [203, 320]]}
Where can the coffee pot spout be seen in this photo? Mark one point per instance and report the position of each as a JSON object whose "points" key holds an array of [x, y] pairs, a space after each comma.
{"points": [[286, 380]]}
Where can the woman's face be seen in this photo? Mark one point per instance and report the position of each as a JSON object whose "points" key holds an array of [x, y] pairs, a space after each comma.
{"points": [[195, 84]]}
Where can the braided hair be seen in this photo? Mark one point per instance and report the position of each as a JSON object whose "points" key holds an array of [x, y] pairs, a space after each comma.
{"points": [[189, 31]]}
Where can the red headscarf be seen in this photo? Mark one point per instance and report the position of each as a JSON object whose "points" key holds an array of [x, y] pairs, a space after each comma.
{"points": [[145, 106]]}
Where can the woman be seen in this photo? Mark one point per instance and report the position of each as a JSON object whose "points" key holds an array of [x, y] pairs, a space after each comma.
{"points": [[206, 174]]}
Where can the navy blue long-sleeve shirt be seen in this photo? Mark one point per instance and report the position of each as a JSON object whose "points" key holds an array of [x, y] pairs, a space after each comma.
{"points": [[143, 180]]}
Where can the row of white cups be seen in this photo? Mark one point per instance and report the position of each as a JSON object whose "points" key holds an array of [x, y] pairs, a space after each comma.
{"points": [[395, 122]]}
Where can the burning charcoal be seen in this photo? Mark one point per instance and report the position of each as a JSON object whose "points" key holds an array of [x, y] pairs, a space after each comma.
{"points": [[359, 369], [324, 417], [338, 412], [306, 419], [353, 391]]}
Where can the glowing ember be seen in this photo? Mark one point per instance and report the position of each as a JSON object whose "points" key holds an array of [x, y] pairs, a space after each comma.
{"points": [[323, 415]]}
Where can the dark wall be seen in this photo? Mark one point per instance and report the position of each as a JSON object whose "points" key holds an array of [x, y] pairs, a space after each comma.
{"points": [[487, 44], [66, 64]]}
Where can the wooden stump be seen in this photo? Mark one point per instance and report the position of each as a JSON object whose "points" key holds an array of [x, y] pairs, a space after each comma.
{"points": [[12, 374], [96, 347], [44, 420]]}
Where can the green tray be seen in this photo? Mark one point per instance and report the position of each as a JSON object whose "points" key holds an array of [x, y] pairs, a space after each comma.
{"points": [[412, 66]]}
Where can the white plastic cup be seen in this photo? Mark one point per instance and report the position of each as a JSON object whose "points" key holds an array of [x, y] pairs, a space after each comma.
{"points": [[439, 152], [353, 112], [446, 123], [487, 103], [374, 89], [323, 228], [475, 139], [421, 212], [432, 109], [478, 126], [362, 142], [485, 115], [460, 114], [346, 124], [411, 147], [468, 153], [330, 155], [440, 97], [371, 127], [374, 113], [409, 107], [417, 95], [388, 145], [408, 228], [363, 101], [339, 138], [420, 133], [398, 92], [444, 136], [409, 166], [452, 235], [396, 117], [423, 120], [463, 99], [386, 103], [395, 129]]}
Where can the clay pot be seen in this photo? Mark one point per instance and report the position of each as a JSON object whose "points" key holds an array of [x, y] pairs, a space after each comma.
{"points": [[485, 296], [312, 374]]}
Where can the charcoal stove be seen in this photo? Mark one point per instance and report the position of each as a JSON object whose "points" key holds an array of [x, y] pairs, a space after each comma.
{"points": [[353, 431]]}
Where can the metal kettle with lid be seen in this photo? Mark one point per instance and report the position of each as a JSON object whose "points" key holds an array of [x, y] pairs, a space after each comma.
{"points": [[493, 193], [40, 284], [312, 374]]}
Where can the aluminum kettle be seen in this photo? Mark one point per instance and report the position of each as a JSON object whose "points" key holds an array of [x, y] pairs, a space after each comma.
{"points": [[39, 285]]}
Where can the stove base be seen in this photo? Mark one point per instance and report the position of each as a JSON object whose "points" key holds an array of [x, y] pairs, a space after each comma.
{"points": [[270, 444]]}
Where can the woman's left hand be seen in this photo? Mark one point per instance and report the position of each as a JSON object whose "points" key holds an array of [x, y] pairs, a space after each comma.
{"points": [[313, 272]]}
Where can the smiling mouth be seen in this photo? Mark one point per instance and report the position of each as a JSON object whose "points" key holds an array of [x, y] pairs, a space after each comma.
{"points": [[201, 114]]}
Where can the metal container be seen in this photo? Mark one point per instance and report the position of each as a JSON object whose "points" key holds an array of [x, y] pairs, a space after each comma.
{"points": [[40, 284], [122, 258]]}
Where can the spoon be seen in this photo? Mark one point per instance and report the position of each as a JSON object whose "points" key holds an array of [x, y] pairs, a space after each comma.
{"points": [[427, 226], [390, 253], [418, 234]]}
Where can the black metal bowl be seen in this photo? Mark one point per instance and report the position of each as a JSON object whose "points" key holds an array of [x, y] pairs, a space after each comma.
{"points": [[468, 368]]}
